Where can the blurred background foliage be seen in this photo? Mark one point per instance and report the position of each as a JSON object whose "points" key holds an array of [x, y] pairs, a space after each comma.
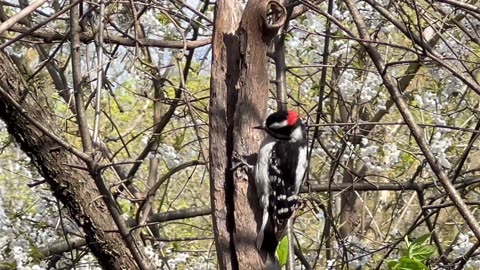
{"points": [[359, 128]]}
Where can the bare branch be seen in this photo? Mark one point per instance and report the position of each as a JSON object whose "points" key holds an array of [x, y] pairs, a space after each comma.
{"points": [[77, 80], [17, 17], [88, 37]]}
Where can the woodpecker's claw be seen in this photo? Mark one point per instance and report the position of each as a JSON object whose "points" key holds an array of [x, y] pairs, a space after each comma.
{"points": [[238, 161], [300, 205]]}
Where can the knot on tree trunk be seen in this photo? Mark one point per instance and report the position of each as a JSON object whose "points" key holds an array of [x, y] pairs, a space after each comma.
{"points": [[274, 16]]}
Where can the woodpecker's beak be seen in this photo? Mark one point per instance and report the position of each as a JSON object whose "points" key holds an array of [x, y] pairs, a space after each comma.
{"points": [[259, 127]]}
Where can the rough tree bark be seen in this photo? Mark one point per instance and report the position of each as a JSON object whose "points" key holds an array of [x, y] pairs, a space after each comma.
{"points": [[74, 187], [238, 101]]}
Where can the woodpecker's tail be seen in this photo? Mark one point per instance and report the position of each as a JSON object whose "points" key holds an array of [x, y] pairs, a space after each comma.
{"points": [[266, 239], [269, 242]]}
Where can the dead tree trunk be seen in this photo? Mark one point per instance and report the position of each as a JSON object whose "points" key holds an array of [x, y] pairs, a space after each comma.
{"points": [[239, 91], [20, 108]]}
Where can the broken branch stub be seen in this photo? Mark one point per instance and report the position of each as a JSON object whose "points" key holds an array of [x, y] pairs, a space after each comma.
{"points": [[274, 17]]}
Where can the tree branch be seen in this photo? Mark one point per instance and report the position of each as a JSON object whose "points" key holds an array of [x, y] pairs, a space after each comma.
{"points": [[88, 37]]}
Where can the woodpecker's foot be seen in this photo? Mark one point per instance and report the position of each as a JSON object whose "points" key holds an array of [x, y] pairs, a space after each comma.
{"points": [[301, 203], [238, 161]]}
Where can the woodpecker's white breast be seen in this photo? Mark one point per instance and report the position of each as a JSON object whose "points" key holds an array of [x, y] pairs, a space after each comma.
{"points": [[297, 134], [301, 168], [261, 168]]}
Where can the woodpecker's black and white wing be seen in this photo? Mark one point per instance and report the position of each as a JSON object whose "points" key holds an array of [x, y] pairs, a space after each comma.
{"points": [[286, 176]]}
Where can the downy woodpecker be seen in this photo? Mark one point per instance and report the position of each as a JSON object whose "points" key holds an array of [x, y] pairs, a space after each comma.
{"points": [[281, 165]]}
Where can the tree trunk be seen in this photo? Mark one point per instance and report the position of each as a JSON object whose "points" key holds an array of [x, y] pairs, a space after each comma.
{"points": [[225, 61], [238, 101], [72, 186]]}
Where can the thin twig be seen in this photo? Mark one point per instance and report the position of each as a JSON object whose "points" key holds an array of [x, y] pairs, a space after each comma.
{"points": [[100, 74], [77, 79], [20, 15], [39, 25]]}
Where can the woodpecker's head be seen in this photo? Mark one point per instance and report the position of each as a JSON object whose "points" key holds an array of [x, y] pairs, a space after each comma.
{"points": [[284, 125]]}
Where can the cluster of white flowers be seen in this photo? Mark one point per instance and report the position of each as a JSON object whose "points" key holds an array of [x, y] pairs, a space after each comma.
{"points": [[447, 8], [330, 264], [451, 84], [364, 141], [381, 101], [439, 145], [166, 152], [349, 86], [373, 18], [153, 256], [358, 254], [438, 119], [472, 264], [199, 263], [391, 155], [158, 261], [305, 88], [340, 13], [169, 155], [459, 249], [16, 235], [370, 87], [20, 256], [454, 52], [431, 103], [367, 155], [180, 258], [153, 26], [88, 262], [313, 23], [306, 40], [428, 101], [342, 47], [463, 244], [348, 152]]}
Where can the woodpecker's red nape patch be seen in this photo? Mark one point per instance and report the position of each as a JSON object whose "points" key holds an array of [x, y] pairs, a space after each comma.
{"points": [[292, 118]]}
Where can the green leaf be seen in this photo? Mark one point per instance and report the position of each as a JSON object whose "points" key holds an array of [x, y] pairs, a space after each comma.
{"points": [[404, 252], [410, 264], [422, 253], [422, 239], [420, 250], [282, 251], [11, 265], [393, 264], [179, 141]]}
